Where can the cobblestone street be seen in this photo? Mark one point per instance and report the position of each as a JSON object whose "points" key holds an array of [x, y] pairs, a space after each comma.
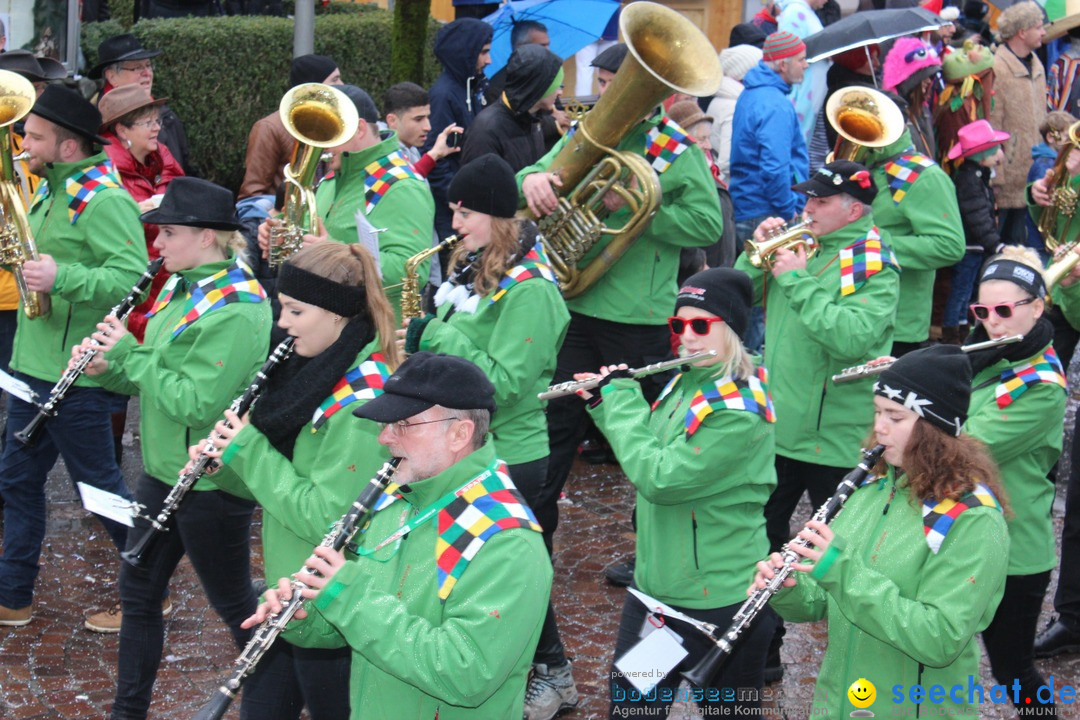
{"points": [[53, 669]]}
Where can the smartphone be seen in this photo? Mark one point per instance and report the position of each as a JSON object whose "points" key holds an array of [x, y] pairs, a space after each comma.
{"points": [[455, 139]]}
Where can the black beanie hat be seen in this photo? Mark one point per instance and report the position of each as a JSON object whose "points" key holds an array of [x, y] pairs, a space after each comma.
{"points": [[746, 34], [724, 292], [310, 68], [611, 59], [935, 382], [485, 185]]}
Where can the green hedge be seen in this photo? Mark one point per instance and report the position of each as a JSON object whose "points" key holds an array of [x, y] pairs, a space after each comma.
{"points": [[224, 73]]}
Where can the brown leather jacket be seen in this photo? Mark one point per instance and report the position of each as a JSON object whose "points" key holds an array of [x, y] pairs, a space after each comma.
{"points": [[269, 148]]}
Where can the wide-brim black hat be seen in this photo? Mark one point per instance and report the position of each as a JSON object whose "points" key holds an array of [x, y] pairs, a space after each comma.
{"points": [[34, 69], [428, 379], [117, 49], [70, 110], [193, 202]]}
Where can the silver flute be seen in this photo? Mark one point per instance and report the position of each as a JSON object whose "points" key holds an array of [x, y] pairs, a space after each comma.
{"points": [[340, 535], [572, 386], [701, 675], [858, 372]]}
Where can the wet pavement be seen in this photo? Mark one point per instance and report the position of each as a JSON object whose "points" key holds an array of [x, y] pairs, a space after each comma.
{"points": [[53, 669]]}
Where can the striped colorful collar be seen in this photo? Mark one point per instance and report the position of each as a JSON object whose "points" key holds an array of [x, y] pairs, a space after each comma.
{"points": [[862, 260], [903, 171], [726, 393], [1043, 368], [234, 283], [939, 517], [534, 265], [363, 382], [82, 187], [664, 143], [381, 174]]}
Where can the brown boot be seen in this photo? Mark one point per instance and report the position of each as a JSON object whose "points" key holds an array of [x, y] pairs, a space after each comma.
{"points": [[950, 335], [15, 617], [108, 621]]}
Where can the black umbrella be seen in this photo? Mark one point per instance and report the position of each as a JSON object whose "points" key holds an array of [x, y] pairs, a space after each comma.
{"points": [[869, 27]]}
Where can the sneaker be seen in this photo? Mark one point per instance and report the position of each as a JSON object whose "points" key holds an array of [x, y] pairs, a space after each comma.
{"points": [[15, 617], [1056, 639], [621, 574], [108, 621], [551, 690]]}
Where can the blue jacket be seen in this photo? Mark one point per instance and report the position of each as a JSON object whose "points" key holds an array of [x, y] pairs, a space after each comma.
{"points": [[1042, 159], [768, 153]]}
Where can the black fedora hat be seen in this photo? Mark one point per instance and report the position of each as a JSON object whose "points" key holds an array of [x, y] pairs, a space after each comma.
{"points": [[70, 110], [119, 48], [195, 203], [34, 69]]}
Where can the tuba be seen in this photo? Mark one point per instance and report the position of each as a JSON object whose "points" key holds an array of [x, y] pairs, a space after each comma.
{"points": [[863, 118], [17, 96], [319, 117], [667, 53], [1063, 201], [788, 236]]}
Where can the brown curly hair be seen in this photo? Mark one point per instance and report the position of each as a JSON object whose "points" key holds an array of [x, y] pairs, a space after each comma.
{"points": [[497, 255]]}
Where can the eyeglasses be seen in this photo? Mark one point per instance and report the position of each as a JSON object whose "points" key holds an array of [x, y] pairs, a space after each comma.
{"points": [[700, 325], [1003, 310], [141, 67], [402, 426], [154, 122]]}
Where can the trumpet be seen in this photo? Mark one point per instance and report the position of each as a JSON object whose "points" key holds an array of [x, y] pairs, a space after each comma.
{"points": [[136, 554], [28, 435], [858, 372], [701, 675], [340, 535], [572, 386], [760, 253]]}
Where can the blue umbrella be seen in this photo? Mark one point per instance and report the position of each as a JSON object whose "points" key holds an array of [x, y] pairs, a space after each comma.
{"points": [[571, 24]]}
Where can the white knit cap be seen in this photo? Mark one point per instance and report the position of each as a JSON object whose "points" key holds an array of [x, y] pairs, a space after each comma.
{"points": [[737, 61], [950, 13]]}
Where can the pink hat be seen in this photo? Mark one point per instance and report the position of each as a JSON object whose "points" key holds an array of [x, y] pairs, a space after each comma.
{"points": [[974, 138], [909, 57], [781, 44]]}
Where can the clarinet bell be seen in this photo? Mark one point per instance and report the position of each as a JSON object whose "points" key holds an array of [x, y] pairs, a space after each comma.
{"points": [[218, 705], [702, 674]]}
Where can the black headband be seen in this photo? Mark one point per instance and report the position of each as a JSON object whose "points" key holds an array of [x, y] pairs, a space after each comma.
{"points": [[1017, 273], [345, 300]]}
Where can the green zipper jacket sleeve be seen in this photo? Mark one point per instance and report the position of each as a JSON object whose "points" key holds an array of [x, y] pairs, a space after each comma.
{"points": [[952, 597], [119, 257], [684, 469], [932, 236], [519, 348], [1068, 299], [114, 379], [305, 504], [480, 628], [689, 214], [803, 602], [195, 391], [1010, 432], [847, 327]]}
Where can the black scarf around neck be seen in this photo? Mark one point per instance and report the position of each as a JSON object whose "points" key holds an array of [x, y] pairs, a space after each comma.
{"points": [[1039, 337], [296, 389]]}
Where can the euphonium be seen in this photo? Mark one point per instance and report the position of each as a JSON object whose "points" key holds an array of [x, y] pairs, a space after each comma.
{"points": [[760, 254], [319, 117], [17, 246], [1063, 199], [863, 118], [667, 53], [410, 284]]}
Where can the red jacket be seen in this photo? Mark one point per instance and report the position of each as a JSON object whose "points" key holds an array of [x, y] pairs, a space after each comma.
{"points": [[143, 181]]}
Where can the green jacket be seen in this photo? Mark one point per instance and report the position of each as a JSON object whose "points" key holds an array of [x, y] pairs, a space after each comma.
{"points": [[925, 232], [303, 498], [1024, 439], [514, 340], [812, 331], [700, 497], [417, 657], [640, 287], [403, 217], [185, 384], [899, 614], [1068, 301], [99, 258]]}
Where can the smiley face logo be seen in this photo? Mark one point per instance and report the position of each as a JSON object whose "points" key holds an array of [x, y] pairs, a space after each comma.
{"points": [[862, 694]]}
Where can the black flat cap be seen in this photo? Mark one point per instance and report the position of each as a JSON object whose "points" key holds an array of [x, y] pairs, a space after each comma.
{"points": [[427, 379]]}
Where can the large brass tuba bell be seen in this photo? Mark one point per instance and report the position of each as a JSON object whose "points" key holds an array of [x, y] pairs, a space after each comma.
{"points": [[667, 53], [863, 118], [17, 97], [319, 117]]}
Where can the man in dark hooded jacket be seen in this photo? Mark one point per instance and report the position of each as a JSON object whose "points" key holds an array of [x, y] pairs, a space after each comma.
{"points": [[511, 127], [464, 49]]}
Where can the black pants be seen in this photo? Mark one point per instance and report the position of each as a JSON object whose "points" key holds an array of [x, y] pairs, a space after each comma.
{"points": [[1010, 637], [290, 678], [793, 477], [736, 688], [1067, 598], [212, 528]]}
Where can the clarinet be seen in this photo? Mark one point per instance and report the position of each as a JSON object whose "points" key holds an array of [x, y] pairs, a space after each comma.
{"points": [[28, 435], [136, 554], [701, 675], [341, 534]]}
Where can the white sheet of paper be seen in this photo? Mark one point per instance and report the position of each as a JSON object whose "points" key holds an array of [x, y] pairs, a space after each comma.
{"points": [[368, 235], [106, 504], [650, 661], [17, 388]]}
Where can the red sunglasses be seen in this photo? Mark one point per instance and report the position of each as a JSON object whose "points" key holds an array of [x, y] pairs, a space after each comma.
{"points": [[700, 325]]}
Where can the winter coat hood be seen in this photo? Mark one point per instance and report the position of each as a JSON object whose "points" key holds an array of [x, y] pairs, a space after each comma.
{"points": [[529, 73], [458, 46], [761, 75]]}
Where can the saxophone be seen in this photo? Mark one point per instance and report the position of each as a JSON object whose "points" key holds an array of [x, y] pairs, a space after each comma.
{"points": [[16, 241], [410, 284]]}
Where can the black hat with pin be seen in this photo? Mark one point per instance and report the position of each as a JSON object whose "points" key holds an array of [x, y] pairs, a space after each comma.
{"points": [[840, 176], [427, 379]]}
